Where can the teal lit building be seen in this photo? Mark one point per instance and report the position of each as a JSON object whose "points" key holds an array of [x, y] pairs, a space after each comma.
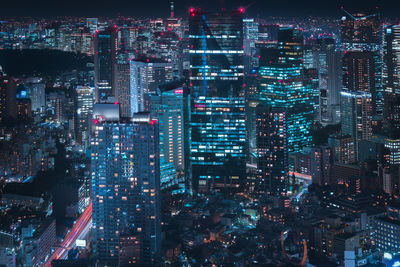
{"points": [[217, 122], [289, 109], [170, 106], [282, 85]]}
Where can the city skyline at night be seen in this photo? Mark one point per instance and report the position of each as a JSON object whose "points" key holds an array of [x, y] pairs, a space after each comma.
{"points": [[173, 133]]}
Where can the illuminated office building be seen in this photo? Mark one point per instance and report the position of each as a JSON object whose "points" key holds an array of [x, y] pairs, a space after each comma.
{"points": [[217, 151], [146, 74], [122, 84], [268, 32], [359, 74], [282, 85], [105, 56], [272, 151], [37, 95], [250, 37], [311, 79], [393, 145], [84, 105], [125, 187], [92, 24], [356, 108], [391, 81], [361, 32], [170, 107], [322, 55], [387, 230], [8, 100]]}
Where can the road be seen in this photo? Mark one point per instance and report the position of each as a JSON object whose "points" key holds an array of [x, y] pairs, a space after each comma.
{"points": [[79, 230]]}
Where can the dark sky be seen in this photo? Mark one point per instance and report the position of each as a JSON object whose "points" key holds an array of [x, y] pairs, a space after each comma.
{"points": [[154, 8]]}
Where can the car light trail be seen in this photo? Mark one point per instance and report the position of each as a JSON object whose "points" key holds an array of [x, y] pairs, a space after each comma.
{"points": [[81, 224]]}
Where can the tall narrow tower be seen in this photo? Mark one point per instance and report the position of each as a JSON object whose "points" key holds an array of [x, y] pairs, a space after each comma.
{"points": [[172, 10], [217, 101]]}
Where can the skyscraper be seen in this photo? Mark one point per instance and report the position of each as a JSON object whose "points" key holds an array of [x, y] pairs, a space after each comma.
{"points": [[391, 81], [282, 85], [324, 57], [125, 187], [122, 84], [170, 106], [217, 151], [171, 110], [8, 97], [272, 150], [84, 109], [359, 73], [357, 115], [361, 32], [37, 94], [105, 56], [146, 74]]}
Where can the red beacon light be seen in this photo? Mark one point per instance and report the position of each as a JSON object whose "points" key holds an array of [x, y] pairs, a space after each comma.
{"points": [[191, 11], [241, 10]]}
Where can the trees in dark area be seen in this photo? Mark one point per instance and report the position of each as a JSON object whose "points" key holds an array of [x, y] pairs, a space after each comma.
{"points": [[41, 62]]}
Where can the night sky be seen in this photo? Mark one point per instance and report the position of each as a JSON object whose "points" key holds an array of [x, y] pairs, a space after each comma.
{"points": [[154, 8]]}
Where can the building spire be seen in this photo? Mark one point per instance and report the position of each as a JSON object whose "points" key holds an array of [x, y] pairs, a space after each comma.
{"points": [[172, 9]]}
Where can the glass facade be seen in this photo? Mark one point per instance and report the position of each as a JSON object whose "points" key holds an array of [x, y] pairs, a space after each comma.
{"points": [[361, 32], [105, 56], [146, 75], [391, 81], [217, 150], [282, 86]]}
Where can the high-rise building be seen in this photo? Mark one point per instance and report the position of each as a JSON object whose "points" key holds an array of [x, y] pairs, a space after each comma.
{"points": [[344, 148], [356, 108], [8, 97], [37, 94], [217, 151], [272, 150], [122, 84], [311, 79], [24, 109], [250, 37], [387, 230], [84, 111], [324, 57], [92, 24], [359, 74], [391, 81], [321, 161], [268, 32], [171, 109], [361, 32], [125, 187], [105, 56], [55, 106], [282, 85], [146, 75]]}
